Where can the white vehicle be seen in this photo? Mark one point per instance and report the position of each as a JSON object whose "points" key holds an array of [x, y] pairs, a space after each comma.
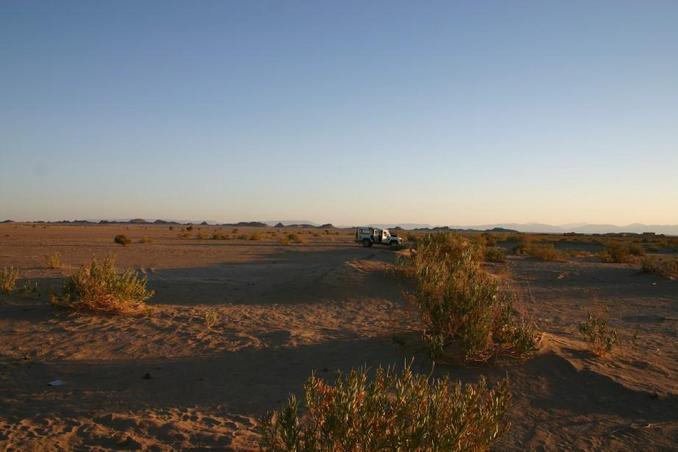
{"points": [[369, 236]]}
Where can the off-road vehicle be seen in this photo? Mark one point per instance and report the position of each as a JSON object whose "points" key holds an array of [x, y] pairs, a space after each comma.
{"points": [[369, 236]]}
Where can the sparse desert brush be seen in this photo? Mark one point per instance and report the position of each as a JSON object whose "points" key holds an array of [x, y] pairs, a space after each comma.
{"points": [[243, 237], [391, 412], [184, 235], [54, 260], [219, 236], [122, 239], [200, 235], [145, 239], [293, 237], [621, 253], [411, 237], [544, 252], [664, 267], [100, 287], [466, 313], [8, 276], [495, 254], [189, 228], [599, 336], [487, 239], [258, 235], [523, 243]]}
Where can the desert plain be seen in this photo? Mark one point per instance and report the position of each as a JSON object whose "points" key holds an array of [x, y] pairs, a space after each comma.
{"points": [[238, 323]]}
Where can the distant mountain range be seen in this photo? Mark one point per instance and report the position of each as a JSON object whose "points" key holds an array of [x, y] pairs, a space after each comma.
{"points": [[581, 228]]}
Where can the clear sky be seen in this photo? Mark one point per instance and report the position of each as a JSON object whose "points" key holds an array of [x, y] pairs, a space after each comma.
{"points": [[345, 112]]}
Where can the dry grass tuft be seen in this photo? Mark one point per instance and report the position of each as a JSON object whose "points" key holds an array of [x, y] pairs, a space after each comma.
{"points": [[100, 287], [8, 276], [212, 317], [621, 253], [389, 412], [54, 261]]}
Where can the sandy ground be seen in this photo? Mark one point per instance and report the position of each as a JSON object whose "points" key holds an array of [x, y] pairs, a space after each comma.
{"points": [[236, 325]]}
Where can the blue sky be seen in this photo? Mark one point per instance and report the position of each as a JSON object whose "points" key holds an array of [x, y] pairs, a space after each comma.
{"points": [[343, 112]]}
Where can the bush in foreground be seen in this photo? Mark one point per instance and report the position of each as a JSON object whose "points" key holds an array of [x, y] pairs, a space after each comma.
{"points": [[664, 267], [391, 412], [100, 287], [466, 313], [8, 278]]}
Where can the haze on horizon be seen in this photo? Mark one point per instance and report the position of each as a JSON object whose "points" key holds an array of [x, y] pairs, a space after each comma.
{"points": [[460, 113]]}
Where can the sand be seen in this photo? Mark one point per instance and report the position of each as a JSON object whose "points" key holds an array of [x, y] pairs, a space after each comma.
{"points": [[236, 325]]}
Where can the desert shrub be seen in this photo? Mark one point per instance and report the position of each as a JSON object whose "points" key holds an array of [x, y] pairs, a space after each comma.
{"points": [[189, 228], [664, 267], [600, 337], [200, 235], [465, 311], [487, 239], [293, 237], [495, 254], [391, 412], [100, 287], [122, 239], [243, 237], [8, 276], [411, 237], [145, 239], [219, 236], [544, 252], [54, 260], [621, 253], [184, 235], [523, 243], [258, 235]]}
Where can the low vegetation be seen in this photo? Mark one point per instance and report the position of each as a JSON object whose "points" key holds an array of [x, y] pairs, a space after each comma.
{"points": [[145, 239], [666, 267], [600, 337], [8, 276], [390, 412], [544, 252], [122, 240], [495, 254], [100, 287], [621, 252], [54, 261], [466, 312]]}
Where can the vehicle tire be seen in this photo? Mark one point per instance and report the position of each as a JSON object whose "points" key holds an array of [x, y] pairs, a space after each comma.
{"points": [[367, 243]]}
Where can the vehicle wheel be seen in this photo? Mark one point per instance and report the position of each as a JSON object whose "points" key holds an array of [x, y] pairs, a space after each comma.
{"points": [[367, 243]]}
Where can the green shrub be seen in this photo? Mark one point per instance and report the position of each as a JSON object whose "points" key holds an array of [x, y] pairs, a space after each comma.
{"points": [[465, 312], [100, 287], [122, 240], [495, 254], [391, 412], [600, 337], [8, 276], [664, 267]]}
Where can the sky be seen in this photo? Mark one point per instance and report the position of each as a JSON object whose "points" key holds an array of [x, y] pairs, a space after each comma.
{"points": [[346, 112]]}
